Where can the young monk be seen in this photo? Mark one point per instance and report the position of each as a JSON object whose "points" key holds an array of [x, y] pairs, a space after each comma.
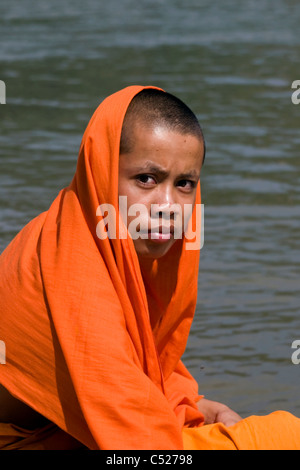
{"points": [[96, 310]]}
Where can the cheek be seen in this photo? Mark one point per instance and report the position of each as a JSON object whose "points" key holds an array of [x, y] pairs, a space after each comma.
{"points": [[134, 208], [187, 206], [123, 186], [128, 189], [133, 195]]}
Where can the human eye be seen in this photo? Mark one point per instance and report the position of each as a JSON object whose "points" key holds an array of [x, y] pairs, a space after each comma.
{"points": [[145, 180], [187, 185]]}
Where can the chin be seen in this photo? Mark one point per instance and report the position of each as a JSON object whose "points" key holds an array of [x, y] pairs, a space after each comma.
{"points": [[153, 252]]}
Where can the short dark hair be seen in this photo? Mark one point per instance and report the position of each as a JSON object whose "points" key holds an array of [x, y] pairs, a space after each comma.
{"points": [[156, 107]]}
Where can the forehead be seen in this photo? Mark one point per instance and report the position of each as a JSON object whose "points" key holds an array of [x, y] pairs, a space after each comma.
{"points": [[163, 146]]}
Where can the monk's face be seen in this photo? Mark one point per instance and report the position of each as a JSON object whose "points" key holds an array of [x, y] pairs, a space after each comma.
{"points": [[160, 174]]}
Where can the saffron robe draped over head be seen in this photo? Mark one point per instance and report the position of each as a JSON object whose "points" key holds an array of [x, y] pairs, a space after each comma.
{"points": [[84, 345], [94, 339]]}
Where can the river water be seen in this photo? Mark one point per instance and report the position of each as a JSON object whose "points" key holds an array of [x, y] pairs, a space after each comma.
{"points": [[233, 63]]}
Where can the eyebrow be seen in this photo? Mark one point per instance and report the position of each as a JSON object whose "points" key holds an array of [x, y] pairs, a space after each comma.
{"points": [[154, 168]]}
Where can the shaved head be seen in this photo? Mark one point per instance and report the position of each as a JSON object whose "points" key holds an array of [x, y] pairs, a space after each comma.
{"points": [[154, 108]]}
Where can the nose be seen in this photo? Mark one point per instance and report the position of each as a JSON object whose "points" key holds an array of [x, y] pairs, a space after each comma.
{"points": [[164, 205], [161, 211]]}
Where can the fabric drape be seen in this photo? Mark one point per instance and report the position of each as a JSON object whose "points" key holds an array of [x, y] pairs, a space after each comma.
{"points": [[93, 338], [75, 318]]}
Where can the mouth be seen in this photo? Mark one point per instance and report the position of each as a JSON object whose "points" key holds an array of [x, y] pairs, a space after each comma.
{"points": [[162, 229], [160, 236], [160, 233]]}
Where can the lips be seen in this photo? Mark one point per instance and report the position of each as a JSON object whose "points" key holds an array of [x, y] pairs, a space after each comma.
{"points": [[160, 236], [162, 230], [159, 233]]}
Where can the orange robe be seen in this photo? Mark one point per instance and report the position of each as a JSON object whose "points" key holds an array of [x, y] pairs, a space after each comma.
{"points": [[49, 437], [94, 340], [279, 430]]}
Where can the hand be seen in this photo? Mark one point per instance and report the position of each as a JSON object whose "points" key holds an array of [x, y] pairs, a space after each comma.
{"points": [[215, 412]]}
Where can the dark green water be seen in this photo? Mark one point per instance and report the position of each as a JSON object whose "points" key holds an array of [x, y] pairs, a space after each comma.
{"points": [[233, 63]]}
